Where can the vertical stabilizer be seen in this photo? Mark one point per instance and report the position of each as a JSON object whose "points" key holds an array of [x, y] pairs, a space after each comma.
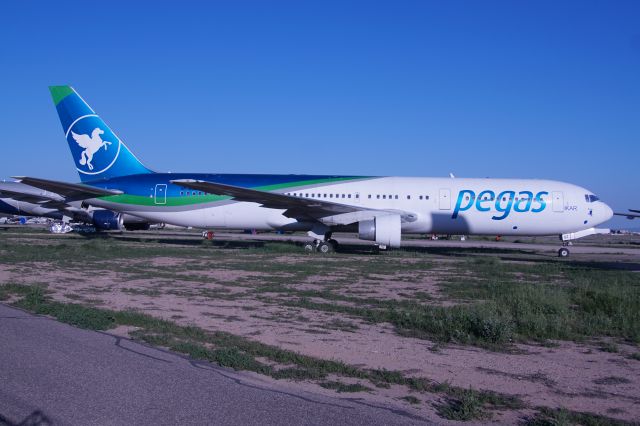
{"points": [[97, 152]]}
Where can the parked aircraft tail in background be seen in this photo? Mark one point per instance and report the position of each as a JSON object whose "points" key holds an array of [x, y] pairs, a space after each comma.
{"points": [[97, 152]]}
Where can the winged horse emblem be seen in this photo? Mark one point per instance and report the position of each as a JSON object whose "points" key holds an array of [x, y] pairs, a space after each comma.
{"points": [[91, 145]]}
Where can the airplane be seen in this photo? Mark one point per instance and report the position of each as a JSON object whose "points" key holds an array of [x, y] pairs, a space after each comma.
{"points": [[380, 209], [631, 215], [20, 199]]}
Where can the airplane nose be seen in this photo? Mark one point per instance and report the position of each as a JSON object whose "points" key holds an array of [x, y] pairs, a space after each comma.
{"points": [[607, 212]]}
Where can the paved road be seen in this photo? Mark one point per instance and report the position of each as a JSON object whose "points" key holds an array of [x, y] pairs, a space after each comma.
{"points": [[52, 373]]}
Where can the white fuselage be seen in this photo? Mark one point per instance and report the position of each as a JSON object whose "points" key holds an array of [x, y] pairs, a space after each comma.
{"points": [[440, 205]]}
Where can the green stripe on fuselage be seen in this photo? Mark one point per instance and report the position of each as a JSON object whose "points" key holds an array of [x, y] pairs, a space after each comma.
{"points": [[141, 200], [303, 183]]}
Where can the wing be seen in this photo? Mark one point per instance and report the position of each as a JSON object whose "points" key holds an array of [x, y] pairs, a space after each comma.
{"points": [[34, 196], [295, 207], [68, 191], [83, 140], [631, 215]]}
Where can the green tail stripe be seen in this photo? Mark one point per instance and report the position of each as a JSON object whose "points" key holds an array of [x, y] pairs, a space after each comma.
{"points": [[58, 93]]}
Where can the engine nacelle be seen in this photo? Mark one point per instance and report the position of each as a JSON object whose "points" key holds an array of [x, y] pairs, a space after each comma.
{"points": [[134, 223], [106, 220], [384, 230], [137, 226]]}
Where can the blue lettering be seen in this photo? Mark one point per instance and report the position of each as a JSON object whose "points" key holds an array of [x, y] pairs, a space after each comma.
{"points": [[522, 200], [508, 197], [541, 201], [459, 207], [504, 203], [483, 199]]}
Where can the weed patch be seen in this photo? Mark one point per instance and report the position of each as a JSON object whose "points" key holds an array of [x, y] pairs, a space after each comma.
{"points": [[8, 289], [344, 387], [560, 416], [239, 353], [467, 406]]}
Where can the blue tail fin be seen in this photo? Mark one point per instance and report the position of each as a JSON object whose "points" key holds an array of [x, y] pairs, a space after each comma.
{"points": [[96, 150]]}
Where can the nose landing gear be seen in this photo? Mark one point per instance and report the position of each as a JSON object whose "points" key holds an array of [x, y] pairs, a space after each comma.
{"points": [[564, 250]]}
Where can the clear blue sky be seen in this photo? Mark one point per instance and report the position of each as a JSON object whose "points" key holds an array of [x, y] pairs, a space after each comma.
{"points": [[546, 89]]}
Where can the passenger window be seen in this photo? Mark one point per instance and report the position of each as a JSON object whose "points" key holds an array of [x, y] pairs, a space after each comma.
{"points": [[396, 197], [350, 196], [378, 196], [369, 195], [421, 197]]}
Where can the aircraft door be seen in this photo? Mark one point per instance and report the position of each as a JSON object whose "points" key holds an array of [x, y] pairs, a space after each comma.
{"points": [[160, 195], [558, 201], [444, 202]]}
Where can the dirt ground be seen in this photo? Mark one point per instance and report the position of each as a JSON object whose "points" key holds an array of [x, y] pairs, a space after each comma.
{"points": [[231, 293]]}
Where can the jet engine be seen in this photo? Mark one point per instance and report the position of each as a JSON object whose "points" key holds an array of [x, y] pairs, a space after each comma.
{"points": [[384, 230], [106, 220], [137, 226], [133, 223]]}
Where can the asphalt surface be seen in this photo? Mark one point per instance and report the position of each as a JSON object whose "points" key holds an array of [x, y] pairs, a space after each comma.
{"points": [[52, 373]]}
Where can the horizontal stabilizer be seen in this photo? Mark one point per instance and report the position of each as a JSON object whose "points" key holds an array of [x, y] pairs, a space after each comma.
{"points": [[70, 191]]}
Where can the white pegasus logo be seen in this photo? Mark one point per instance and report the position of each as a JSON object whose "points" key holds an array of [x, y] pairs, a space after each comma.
{"points": [[91, 145]]}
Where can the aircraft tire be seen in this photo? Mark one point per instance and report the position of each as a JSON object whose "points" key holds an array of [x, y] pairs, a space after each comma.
{"points": [[563, 252], [325, 247]]}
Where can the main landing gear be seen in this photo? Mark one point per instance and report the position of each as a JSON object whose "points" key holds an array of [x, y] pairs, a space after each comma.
{"points": [[326, 245]]}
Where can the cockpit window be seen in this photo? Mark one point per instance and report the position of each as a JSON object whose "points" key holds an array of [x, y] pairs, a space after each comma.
{"points": [[590, 198]]}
